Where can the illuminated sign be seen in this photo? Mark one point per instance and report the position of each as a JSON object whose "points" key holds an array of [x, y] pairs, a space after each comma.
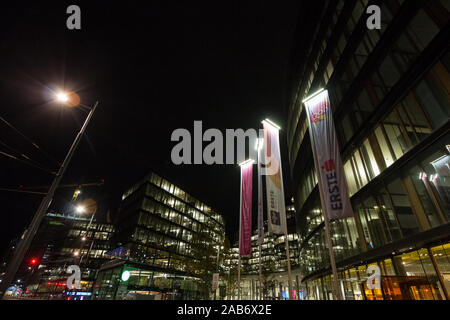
{"points": [[79, 293]]}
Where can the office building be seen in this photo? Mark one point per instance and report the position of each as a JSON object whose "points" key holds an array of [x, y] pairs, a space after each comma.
{"points": [[61, 241], [167, 245], [390, 97], [274, 275]]}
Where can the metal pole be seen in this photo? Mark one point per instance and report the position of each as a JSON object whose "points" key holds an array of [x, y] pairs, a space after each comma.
{"points": [[286, 241], [260, 217], [240, 226], [260, 281], [29, 234], [285, 229], [336, 290], [217, 269], [92, 238]]}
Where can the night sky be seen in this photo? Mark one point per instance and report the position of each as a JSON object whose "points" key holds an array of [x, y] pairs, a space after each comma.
{"points": [[153, 68]]}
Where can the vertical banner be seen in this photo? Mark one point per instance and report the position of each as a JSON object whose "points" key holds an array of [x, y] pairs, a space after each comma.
{"points": [[246, 209], [327, 158], [260, 194], [276, 209]]}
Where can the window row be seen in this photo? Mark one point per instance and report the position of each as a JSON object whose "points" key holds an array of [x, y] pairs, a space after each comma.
{"points": [[414, 118], [401, 55], [414, 199]]}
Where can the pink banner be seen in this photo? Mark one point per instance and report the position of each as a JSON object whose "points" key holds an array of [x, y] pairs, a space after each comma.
{"points": [[246, 209]]}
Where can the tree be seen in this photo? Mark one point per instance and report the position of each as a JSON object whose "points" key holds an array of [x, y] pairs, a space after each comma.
{"points": [[231, 280], [268, 281]]}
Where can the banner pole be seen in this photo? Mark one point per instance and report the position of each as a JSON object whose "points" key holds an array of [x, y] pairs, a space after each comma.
{"points": [[337, 292], [260, 282], [285, 227], [278, 201], [259, 148], [333, 189], [328, 233], [326, 215], [288, 266], [240, 231]]}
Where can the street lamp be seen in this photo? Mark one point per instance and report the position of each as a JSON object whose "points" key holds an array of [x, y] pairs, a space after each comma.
{"points": [[80, 209], [62, 97], [29, 234], [88, 206]]}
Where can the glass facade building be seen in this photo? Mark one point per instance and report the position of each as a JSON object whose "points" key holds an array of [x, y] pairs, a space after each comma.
{"points": [[61, 241], [390, 94], [160, 229], [273, 263]]}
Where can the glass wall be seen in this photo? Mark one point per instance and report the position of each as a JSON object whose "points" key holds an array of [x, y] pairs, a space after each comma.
{"points": [[396, 152], [161, 226], [143, 284], [422, 111], [422, 274], [408, 201], [400, 57]]}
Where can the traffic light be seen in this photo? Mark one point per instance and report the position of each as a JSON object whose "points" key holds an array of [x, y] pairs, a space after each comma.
{"points": [[33, 261], [125, 275]]}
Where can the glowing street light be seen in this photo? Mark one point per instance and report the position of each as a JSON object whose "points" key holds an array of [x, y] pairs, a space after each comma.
{"points": [[80, 209], [272, 124], [71, 100], [247, 162], [62, 97]]}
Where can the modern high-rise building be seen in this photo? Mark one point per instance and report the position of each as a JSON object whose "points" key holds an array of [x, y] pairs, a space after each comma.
{"points": [[168, 244], [61, 241], [389, 92], [273, 264]]}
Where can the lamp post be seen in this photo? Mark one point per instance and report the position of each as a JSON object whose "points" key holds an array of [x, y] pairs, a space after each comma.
{"points": [[217, 268], [82, 210], [29, 234]]}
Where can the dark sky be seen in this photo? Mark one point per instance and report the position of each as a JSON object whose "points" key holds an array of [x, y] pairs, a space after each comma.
{"points": [[154, 68]]}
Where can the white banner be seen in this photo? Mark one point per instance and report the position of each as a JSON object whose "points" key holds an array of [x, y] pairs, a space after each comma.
{"points": [[276, 209], [327, 158]]}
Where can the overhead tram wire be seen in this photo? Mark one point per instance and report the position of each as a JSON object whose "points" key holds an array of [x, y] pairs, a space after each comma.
{"points": [[35, 163], [24, 155], [30, 141], [22, 191], [28, 163], [14, 150]]}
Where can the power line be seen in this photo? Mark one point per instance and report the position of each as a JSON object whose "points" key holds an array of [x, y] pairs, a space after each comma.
{"points": [[23, 155], [27, 162], [24, 191], [29, 140], [14, 150]]}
